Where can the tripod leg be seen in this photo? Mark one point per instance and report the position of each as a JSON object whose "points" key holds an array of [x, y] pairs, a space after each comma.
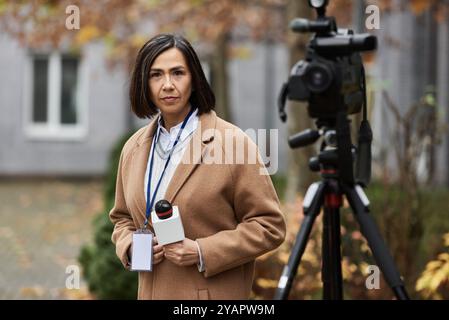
{"points": [[359, 204], [312, 205], [331, 249]]}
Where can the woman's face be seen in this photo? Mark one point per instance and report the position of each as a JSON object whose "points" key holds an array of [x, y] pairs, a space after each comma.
{"points": [[171, 83]]}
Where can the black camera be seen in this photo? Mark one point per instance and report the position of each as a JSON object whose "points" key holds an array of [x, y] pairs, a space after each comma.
{"points": [[331, 77]]}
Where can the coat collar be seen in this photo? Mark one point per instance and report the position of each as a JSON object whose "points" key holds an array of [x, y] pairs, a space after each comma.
{"points": [[207, 122], [191, 159]]}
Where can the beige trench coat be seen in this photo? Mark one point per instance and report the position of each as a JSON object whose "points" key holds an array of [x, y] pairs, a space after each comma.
{"points": [[231, 209]]}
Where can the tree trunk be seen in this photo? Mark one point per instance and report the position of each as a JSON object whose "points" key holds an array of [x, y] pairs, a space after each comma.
{"points": [[219, 76], [299, 176]]}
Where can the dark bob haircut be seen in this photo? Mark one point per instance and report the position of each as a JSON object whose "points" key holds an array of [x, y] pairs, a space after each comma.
{"points": [[202, 96]]}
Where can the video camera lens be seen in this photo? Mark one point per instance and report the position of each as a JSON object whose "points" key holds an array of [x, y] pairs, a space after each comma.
{"points": [[318, 77]]}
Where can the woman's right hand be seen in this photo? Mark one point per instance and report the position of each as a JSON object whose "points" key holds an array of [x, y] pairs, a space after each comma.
{"points": [[158, 252]]}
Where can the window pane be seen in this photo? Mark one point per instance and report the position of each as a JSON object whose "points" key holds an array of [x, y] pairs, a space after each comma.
{"points": [[40, 83], [69, 90]]}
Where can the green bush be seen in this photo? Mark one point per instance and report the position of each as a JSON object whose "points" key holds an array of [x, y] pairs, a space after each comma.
{"points": [[280, 184], [103, 271], [411, 225]]}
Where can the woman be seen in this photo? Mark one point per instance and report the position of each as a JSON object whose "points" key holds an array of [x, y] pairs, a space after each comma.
{"points": [[229, 209]]}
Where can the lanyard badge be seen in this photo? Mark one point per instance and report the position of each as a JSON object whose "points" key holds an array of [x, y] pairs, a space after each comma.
{"points": [[142, 252]]}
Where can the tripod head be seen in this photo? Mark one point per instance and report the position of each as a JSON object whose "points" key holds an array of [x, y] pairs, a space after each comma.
{"points": [[331, 79]]}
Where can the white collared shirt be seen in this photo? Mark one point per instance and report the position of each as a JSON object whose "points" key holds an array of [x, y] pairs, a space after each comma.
{"points": [[163, 146]]}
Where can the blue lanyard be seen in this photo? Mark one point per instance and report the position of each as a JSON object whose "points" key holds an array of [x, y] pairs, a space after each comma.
{"points": [[150, 203]]}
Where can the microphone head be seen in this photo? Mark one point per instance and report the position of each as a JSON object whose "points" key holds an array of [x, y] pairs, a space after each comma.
{"points": [[163, 209]]}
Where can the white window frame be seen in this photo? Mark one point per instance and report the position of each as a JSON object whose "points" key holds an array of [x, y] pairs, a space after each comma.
{"points": [[53, 129]]}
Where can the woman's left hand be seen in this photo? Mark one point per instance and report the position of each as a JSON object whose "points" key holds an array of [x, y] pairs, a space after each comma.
{"points": [[183, 253]]}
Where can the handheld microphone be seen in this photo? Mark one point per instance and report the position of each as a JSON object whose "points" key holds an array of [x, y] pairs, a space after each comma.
{"points": [[167, 223], [163, 209]]}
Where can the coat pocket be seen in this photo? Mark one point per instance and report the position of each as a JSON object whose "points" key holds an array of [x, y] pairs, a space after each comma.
{"points": [[203, 294]]}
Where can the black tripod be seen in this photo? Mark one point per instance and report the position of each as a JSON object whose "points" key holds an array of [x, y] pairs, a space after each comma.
{"points": [[328, 194], [331, 79]]}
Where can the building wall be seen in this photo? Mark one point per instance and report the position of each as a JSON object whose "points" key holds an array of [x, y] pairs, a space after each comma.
{"points": [[22, 155]]}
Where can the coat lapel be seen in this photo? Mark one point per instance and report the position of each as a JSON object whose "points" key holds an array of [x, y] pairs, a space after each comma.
{"points": [[140, 159], [193, 155]]}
